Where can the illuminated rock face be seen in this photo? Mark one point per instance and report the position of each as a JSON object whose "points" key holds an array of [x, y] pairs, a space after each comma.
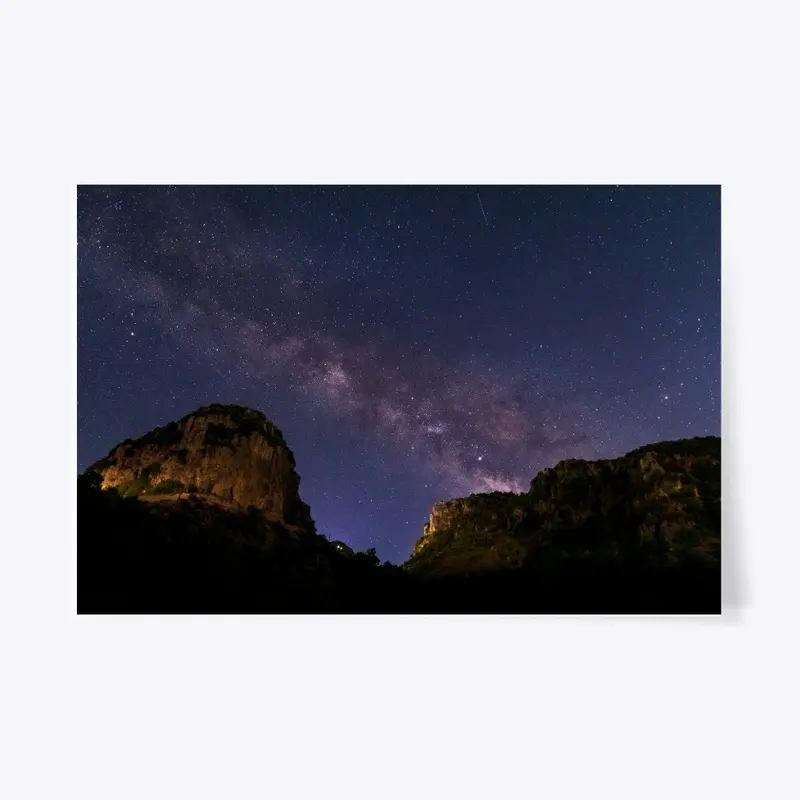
{"points": [[658, 505], [232, 454]]}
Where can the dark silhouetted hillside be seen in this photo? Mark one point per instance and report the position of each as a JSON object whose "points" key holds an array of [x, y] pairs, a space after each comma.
{"points": [[204, 516]]}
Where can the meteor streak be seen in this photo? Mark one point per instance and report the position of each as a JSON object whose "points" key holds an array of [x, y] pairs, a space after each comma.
{"points": [[482, 211]]}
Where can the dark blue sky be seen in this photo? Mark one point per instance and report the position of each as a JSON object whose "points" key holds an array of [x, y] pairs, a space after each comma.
{"points": [[412, 343]]}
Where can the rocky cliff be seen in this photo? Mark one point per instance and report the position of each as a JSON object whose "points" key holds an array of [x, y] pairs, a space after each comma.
{"points": [[658, 506], [203, 516], [228, 454]]}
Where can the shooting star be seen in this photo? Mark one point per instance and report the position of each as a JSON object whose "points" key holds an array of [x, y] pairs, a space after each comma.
{"points": [[482, 211]]}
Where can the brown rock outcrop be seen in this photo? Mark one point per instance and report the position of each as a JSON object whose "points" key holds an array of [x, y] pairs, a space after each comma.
{"points": [[657, 505], [230, 453]]}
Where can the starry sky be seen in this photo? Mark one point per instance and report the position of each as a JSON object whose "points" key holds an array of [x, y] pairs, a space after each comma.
{"points": [[413, 343]]}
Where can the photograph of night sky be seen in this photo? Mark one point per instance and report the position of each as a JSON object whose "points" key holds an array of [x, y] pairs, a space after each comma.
{"points": [[399, 399]]}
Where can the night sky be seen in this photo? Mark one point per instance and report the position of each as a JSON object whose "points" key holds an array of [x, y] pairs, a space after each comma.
{"points": [[412, 343]]}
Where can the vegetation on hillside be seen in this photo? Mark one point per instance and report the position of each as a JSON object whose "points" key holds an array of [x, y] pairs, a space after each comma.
{"points": [[189, 556], [654, 509]]}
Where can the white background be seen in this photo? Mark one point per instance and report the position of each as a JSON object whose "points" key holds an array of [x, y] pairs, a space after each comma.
{"points": [[412, 92]]}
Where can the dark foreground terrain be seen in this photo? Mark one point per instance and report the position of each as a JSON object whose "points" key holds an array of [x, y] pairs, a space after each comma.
{"points": [[187, 557]]}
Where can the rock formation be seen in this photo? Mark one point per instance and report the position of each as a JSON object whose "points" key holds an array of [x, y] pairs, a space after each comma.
{"points": [[657, 506], [203, 516], [229, 454]]}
